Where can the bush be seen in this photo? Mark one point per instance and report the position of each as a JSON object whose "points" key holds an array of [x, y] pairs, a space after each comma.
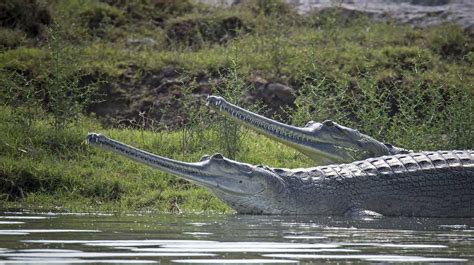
{"points": [[50, 78], [99, 16], [157, 11], [269, 7], [450, 42], [411, 59], [195, 32], [11, 38], [337, 17], [27, 15]]}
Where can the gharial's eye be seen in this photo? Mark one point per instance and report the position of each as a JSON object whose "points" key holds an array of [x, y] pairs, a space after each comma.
{"points": [[205, 158], [310, 123]]}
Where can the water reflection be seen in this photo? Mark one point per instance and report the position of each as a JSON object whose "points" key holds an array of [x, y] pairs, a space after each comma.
{"points": [[230, 239]]}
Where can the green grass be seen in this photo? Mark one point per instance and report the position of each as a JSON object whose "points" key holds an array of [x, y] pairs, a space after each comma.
{"points": [[410, 87], [46, 168]]}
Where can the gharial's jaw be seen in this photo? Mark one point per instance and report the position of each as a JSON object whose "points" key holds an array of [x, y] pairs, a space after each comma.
{"points": [[326, 142], [231, 181]]}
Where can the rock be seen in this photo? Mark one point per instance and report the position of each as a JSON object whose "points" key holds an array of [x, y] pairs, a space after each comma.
{"points": [[281, 93], [170, 72], [140, 42], [276, 97]]}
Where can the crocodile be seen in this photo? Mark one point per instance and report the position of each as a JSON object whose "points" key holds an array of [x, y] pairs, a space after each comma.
{"points": [[424, 184], [325, 143]]}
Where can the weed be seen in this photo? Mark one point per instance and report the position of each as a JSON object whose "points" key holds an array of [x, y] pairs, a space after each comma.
{"points": [[232, 87], [31, 16], [196, 32], [101, 16], [65, 98], [11, 38]]}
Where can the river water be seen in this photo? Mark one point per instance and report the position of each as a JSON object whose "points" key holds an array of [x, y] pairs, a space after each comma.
{"points": [[27, 238]]}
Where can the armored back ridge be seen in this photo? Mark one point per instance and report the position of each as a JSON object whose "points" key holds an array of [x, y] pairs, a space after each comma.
{"points": [[437, 184]]}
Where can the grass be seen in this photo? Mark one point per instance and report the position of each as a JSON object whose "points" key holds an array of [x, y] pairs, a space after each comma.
{"points": [[43, 168], [406, 86]]}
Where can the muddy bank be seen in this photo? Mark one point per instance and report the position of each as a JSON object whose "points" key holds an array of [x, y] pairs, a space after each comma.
{"points": [[161, 99]]}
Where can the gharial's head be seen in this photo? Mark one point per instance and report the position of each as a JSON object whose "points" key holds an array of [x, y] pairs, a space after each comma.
{"points": [[244, 187], [326, 142]]}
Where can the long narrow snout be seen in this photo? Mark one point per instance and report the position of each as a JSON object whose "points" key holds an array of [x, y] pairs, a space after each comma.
{"points": [[194, 172], [325, 143], [301, 139], [215, 172]]}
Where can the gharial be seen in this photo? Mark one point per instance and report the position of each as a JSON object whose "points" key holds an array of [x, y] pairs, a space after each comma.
{"points": [[386, 180]]}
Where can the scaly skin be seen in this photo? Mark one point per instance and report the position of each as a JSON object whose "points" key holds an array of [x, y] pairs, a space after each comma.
{"points": [[434, 184]]}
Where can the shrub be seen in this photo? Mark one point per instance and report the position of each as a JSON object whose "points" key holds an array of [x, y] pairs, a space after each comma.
{"points": [[195, 32], [411, 59], [337, 17], [157, 11], [99, 16], [450, 41], [27, 15], [270, 7], [11, 38]]}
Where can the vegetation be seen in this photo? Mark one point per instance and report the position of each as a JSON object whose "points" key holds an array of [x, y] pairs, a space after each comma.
{"points": [[137, 71]]}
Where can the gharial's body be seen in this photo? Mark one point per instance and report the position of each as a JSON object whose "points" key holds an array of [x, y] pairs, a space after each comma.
{"points": [[439, 184]]}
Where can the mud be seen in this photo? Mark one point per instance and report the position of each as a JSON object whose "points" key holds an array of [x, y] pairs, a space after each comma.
{"points": [[162, 99]]}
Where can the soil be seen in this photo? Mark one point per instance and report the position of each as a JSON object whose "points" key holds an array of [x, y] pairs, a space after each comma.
{"points": [[161, 99]]}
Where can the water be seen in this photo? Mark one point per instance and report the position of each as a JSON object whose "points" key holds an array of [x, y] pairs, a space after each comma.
{"points": [[230, 239]]}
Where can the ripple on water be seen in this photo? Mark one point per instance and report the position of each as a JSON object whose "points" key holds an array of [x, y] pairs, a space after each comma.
{"points": [[12, 233], [170, 239], [386, 245], [11, 222], [235, 261], [117, 243], [29, 231], [454, 226], [305, 237], [379, 258], [242, 244], [198, 233], [77, 261], [81, 254], [248, 249], [24, 217]]}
